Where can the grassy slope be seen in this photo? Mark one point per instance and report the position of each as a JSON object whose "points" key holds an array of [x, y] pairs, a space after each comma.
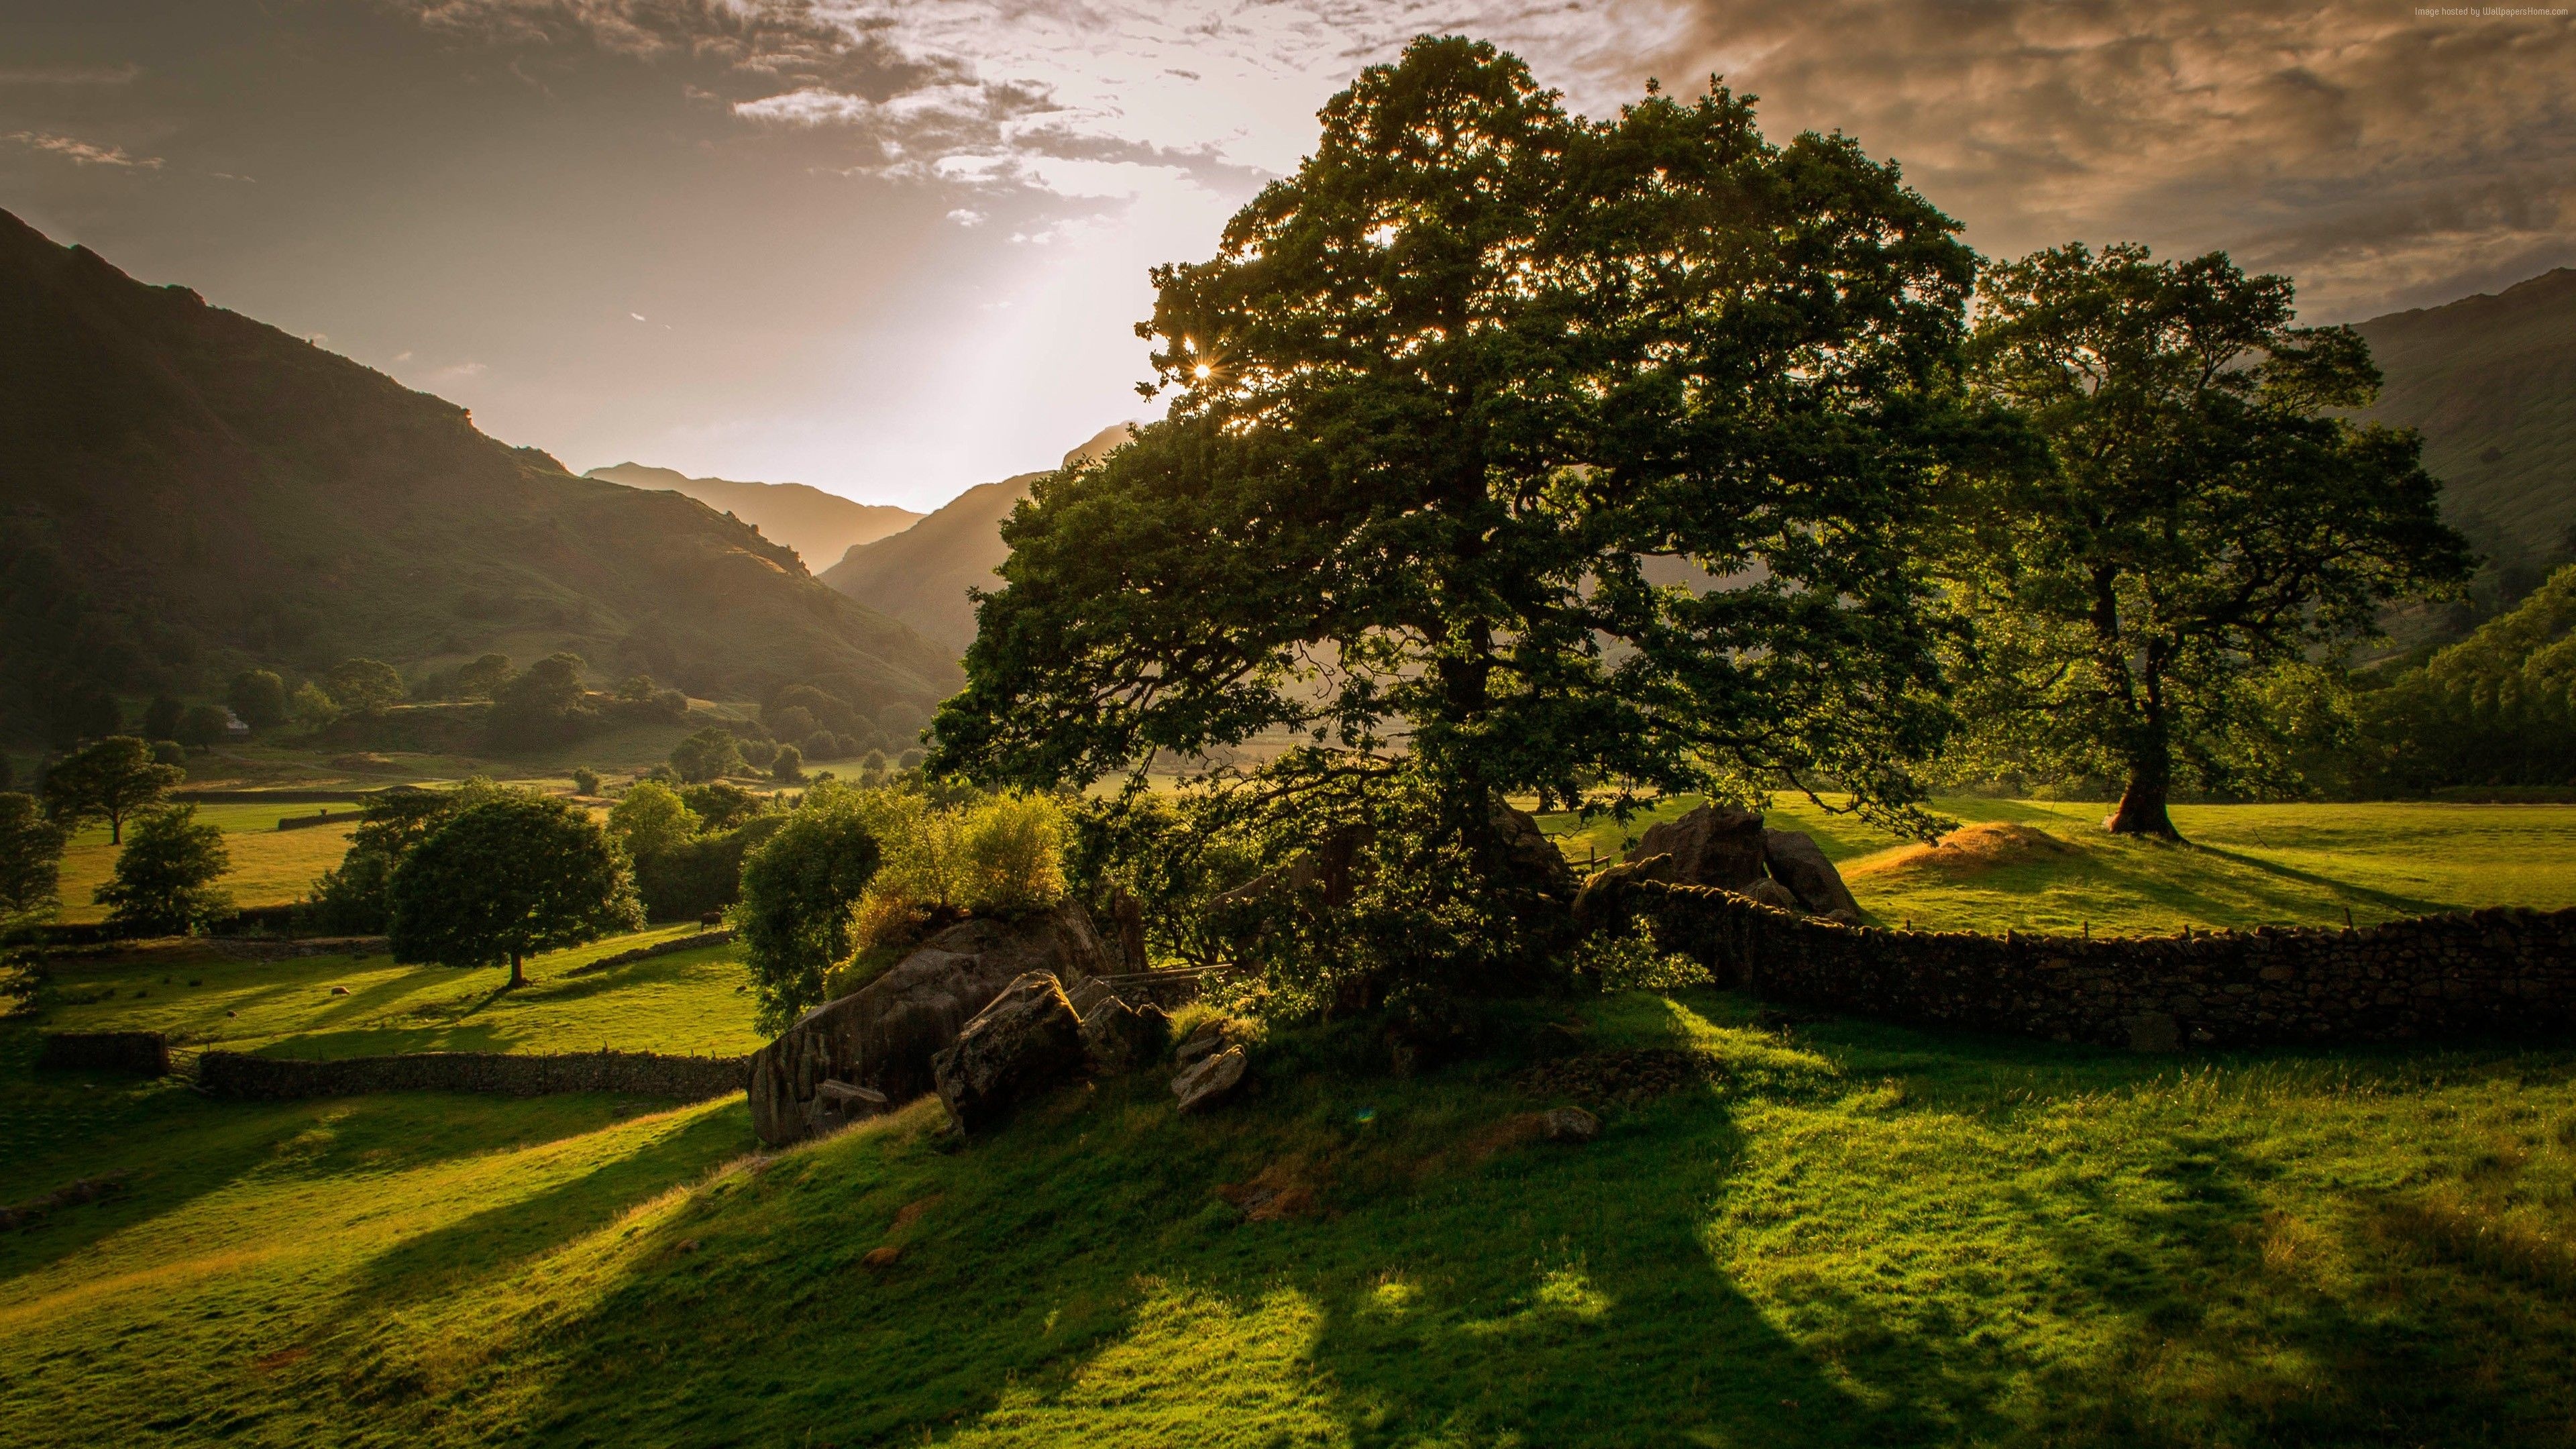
{"points": [[689, 1002], [1857, 1235], [2243, 865]]}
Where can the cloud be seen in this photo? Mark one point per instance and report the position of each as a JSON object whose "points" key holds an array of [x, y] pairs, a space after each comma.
{"points": [[85, 153]]}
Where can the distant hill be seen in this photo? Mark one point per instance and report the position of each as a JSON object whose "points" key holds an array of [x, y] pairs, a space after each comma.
{"points": [[2491, 381], [921, 575], [188, 492], [820, 526]]}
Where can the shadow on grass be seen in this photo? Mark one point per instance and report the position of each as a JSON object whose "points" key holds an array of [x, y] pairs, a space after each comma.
{"points": [[2389, 901]]}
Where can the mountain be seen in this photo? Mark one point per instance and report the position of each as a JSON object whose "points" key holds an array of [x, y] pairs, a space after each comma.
{"points": [[820, 526], [2491, 381], [921, 575], [187, 492]]}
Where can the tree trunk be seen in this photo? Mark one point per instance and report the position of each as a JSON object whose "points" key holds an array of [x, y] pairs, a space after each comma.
{"points": [[2142, 802], [518, 976]]}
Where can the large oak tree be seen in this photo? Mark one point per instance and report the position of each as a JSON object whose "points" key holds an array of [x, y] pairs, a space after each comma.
{"points": [[2200, 517], [1458, 409]]}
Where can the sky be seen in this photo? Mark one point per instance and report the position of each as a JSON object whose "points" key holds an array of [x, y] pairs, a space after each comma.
{"points": [[898, 249]]}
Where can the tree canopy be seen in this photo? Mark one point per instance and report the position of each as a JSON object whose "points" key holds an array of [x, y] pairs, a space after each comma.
{"points": [[2200, 517], [510, 876], [1459, 405], [364, 686], [798, 889], [31, 861], [259, 697], [109, 781], [164, 880]]}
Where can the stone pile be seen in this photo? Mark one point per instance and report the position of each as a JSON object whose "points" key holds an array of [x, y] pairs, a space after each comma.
{"points": [[1724, 848]]}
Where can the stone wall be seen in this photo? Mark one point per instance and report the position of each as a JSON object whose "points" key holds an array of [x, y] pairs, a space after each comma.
{"points": [[144, 1053], [2483, 974], [640, 1074]]}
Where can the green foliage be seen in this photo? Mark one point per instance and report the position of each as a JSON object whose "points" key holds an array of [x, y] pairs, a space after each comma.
{"points": [[259, 697], [722, 806], [798, 889], [2200, 519], [483, 677], [364, 686], [161, 718], [585, 781], [171, 753], [542, 708], [710, 754], [787, 767], [203, 726], [703, 875], [356, 897], [651, 818], [164, 879], [108, 781], [2497, 708], [507, 877], [31, 861]]}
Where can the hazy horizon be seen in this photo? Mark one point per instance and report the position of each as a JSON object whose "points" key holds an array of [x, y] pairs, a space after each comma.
{"points": [[896, 251]]}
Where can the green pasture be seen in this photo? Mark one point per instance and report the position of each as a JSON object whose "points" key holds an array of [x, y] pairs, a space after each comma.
{"points": [[270, 866], [1850, 1234], [2239, 865], [692, 1003]]}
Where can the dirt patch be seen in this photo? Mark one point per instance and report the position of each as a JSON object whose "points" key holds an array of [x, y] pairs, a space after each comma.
{"points": [[1286, 1189], [1969, 850], [1630, 1078]]}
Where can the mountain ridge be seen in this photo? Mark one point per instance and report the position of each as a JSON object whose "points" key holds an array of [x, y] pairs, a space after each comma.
{"points": [[820, 525]]}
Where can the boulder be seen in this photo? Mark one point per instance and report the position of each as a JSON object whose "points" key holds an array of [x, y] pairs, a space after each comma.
{"points": [[1533, 857], [1204, 1041], [837, 1104], [1591, 913], [883, 1035], [1773, 894], [1569, 1124], [1210, 1080], [1027, 1041], [1797, 862], [1118, 1038], [1714, 845]]}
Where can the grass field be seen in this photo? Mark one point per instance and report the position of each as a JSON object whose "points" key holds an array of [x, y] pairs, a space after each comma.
{"points": [[2240, 865], [270, 866], [689, 1002], [1851, 1234]]}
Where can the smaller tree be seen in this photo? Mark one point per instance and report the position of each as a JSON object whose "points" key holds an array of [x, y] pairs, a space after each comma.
{"points": [[787, 767], [545, 706], [798, 889], [720, 806], [203, 726], [313, 706], [164, 879], [108, 781], [710, 754], [483, 678], [507, 878], [356, 897], [161, 718], [259, 697], [31, 862], [364, 686], [650, 819], [585, 782]]}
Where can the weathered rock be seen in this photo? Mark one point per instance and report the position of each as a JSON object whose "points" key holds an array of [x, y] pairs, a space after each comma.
{"points": [[1714, 845], [1797, 862], [1772, 893], [883, 1035], [1531, 855], [1026, 1042], [1607, 885], [837, 1104], [1204, 1041], [1211, 1080], [1569, 1124], [883, 1257], [1117, 1037]]}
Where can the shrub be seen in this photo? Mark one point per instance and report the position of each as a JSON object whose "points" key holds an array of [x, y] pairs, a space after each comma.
{"points": [[699, 876], [1635, 962], [798, 888], [788, 766], [313, 706], [1013, 854], [650, 819], [164, 879], [170, 752], [585, 782]]}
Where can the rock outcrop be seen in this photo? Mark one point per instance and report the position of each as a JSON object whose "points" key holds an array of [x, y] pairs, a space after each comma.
{"points": [[1714, 845], [1025, 1042], [1796, 861], [1117, 1037], [1210, 1080], [884, 1035]]}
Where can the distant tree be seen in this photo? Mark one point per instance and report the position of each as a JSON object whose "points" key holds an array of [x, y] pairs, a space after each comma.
{"points": [[356, 896], [483, 678], [109, 781], [651, 818], [259, 697], [710, 754], [31, 862], [2204, 514], [507, 878], [171, 753], [545, 706], [798, 888], [204, 726], [164, 878], [788, 766], [161, 718], [722, 806], [635, 689], [313, 706], [81, 712], [364, 686], [585, 782], [756, 751]]}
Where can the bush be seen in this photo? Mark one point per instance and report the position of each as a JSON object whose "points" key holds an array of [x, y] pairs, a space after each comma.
{"points": [[651, 818], [703, 875], [164, 879], [710, 754], [788, 766], [170, 752], [798, 888], [585, 782]]}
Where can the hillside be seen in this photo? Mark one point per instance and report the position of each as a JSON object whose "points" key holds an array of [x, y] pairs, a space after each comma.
{"points": [[921, 575], [190, 492], [2491, 381], [820, 526]]}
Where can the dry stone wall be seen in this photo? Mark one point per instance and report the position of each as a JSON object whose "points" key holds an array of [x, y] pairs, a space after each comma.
{"points": [[2482, 974], [144, 1053], [639, 1074]]}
